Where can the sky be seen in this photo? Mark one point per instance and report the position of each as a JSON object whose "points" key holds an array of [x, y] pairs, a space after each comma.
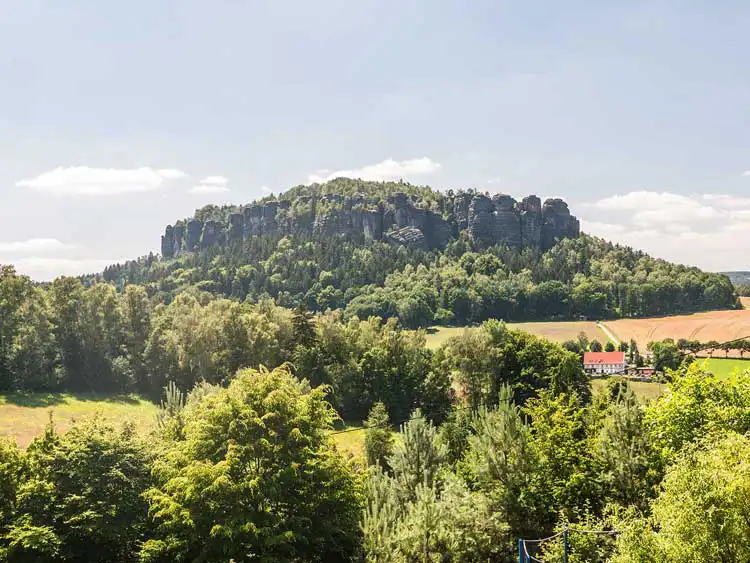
{"points": [[118, 118]]}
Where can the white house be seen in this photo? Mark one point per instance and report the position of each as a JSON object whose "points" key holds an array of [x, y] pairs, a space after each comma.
{"points": [[604, 362]]}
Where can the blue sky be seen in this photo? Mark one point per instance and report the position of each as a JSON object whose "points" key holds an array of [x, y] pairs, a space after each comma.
{"points": [[112, 114]]}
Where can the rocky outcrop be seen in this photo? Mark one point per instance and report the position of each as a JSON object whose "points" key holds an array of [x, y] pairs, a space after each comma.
{"points": [[557, 222], [167, 242], [399, 219], [236, 228], [481, 222], [212, 234], [194, 231], [407, 236], [502, 220], [531, 221]]}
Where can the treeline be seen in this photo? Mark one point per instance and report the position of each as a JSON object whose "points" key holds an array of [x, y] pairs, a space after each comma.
{"points": [[577, 278], [249, 471], [69, 337], [741, 346]]}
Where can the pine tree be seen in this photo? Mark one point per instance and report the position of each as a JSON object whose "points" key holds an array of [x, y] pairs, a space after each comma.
{"points": [[304, 326], [381, 518], [378, 437], [417, 458]]}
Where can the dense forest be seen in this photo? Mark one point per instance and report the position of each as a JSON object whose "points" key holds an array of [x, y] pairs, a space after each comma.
{"points": [[465, 281]]}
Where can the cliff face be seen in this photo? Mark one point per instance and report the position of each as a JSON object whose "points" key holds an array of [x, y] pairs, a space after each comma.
{"points": [[399, 219]]}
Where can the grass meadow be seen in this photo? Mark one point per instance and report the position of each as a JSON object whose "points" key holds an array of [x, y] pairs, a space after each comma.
{"points": [[23, 416]]}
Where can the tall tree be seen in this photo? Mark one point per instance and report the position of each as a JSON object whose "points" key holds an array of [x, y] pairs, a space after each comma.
{"points": [[304, 326], [67, 304], [378, 436], [81, 498], [137, 325], [417, 457], [13, 290], [255, 478]]}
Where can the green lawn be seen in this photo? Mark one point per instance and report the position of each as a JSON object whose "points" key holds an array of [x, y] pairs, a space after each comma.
{"points": [[644, 389], [24, 415], [725, 367], [350, 439]]}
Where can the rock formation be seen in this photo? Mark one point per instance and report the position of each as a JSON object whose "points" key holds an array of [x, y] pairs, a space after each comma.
{"points": [[399, 219]]}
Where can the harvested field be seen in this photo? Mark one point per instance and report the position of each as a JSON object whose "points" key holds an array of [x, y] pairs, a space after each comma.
{"points": [[562, 331], [713, 325]]}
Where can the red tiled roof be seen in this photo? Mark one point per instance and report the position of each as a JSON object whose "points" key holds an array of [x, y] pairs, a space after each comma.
{"points": [[604, 358]]}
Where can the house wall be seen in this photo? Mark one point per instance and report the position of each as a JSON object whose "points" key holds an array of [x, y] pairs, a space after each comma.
{"points": [[604, 368]]}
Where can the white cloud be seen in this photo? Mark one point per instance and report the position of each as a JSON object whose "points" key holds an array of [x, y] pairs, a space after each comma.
{"points": [[47, 269], [604, 230], [33, 246], [728, 201], [746, 173], [202, 189], [210, 185], [215, 181], [83, 180], [388, 169], [495, 181], [659, 207], [171, 173], [707, 230], [266, 189]]}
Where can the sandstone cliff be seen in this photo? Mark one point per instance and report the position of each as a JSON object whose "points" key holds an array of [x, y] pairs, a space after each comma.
{"points": [[398, 219]]}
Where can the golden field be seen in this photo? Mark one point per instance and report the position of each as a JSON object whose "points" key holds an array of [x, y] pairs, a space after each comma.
{"points": [[713, 325]]}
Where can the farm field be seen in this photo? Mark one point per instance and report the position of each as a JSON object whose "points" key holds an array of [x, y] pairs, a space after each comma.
{"points": [[713, 325], [24, 416], [562, 331], [555, 331], [725, 367]]}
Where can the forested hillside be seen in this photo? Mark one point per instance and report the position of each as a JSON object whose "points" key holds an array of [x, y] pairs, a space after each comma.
{"points": [[466, 258]]}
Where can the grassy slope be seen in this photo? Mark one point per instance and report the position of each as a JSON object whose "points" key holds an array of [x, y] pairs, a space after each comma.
{"points": [[712, 325], [352, 441], [23, 416]]}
